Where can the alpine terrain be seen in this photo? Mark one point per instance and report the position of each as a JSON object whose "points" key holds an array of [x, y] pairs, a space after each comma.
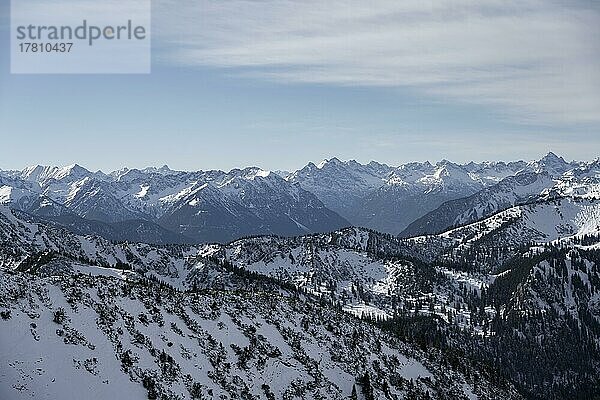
{"points": [[336, 281]]}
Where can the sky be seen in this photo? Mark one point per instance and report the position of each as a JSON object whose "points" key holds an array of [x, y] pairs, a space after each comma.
{"points": [[280, 83]]}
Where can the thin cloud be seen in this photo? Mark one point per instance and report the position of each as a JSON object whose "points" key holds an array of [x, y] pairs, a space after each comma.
{"points": [[537, 61]]}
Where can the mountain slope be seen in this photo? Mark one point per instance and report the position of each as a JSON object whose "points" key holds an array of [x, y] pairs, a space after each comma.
{"points": [[247, 202], [510, 191], [548, 311], [512, 230], [550, 177], [206, 215], [76, 335]]}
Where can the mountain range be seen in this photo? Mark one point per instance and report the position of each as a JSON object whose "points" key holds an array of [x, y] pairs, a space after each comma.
{"points": [[159, 205]]}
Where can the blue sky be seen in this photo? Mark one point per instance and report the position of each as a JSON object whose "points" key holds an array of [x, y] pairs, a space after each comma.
{"points": [[278, 84]]}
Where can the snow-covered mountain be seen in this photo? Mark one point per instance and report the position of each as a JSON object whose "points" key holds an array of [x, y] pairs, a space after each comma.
{"points": [[100, 328], [552, 164], [512, 190], [389, 199], [194, 206], [246, 202], [341, 185], [345, 264], [547, 178]]}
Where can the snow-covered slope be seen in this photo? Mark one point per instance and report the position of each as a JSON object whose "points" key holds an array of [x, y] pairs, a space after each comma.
{"points": [[206, 215], [550, 177], [247, 202], [353, 266], [512, 190], [78, 318], [539, 222], [79, 336]]}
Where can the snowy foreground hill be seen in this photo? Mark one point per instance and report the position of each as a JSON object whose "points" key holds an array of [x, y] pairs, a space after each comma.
{"points": [[461, 314], [78, 336]]}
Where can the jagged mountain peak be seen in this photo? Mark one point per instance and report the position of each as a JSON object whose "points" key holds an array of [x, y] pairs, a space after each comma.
{"points": [[553, 164], [378, 165], [331, 162], [43, 174], [251, 178], [447, 168], [444, 163], [164, 169], [254, 173], [552, 157], [390, 198], [415, 165]]}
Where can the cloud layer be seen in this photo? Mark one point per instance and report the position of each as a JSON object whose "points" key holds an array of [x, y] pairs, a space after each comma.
{"points": [[537, 61]]}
